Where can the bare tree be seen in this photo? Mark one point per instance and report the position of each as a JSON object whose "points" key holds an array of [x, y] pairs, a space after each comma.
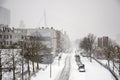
{"points": [[84, 44], [109, 52], [33, 46], [88, 44], [117, 49], [1, 47], [91, 41], [0, 67]]}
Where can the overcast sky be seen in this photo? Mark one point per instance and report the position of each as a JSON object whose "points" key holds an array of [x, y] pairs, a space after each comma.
{"points": [[77, 17]]}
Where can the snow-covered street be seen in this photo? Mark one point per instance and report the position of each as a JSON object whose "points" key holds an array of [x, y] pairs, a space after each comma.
{"points": [[94, 71], [68, 70], [55, 71]]}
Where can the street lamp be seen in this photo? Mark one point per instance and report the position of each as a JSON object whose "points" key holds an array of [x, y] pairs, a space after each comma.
{"points": [[52, 54], [22, 47]]}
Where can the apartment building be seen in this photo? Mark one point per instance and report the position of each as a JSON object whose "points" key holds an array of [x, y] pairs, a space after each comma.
{"points": [[6, 36]]}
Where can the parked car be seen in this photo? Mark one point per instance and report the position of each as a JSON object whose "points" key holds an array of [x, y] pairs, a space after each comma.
{"points": [[81, 68], [84, 54]]}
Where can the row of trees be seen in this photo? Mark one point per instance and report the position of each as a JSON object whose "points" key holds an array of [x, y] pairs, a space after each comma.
{"points": [[88, 44], [19, 54], [111, 52], [32, 52]]}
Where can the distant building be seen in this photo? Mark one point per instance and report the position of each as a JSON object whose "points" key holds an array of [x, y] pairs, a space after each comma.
{"points": [[22, 24], [6, 36], [47, 36], [105, 41], [4, 16], [54, 40], [19, 34], [100, 42], [59, 44], [65, 42], [118, 38]]}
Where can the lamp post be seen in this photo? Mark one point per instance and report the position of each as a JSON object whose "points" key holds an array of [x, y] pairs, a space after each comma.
{"points": [[22, 47], [51, 63], [52, 54], [13, 58], [50, 70]]}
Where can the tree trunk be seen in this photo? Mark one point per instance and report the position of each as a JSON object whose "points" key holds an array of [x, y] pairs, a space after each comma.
{"points": [[37, 65], [13, 65], [22, 66], [0, 67], [119, 66], [28, 67], [113, 65], [108, 62], [33, 66], [90, 57]]}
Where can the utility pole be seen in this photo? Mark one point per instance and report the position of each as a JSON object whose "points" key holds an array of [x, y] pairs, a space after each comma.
{"points": [[59, 60], [13, 64], [50, 70], [0, 65], [22, 60]]}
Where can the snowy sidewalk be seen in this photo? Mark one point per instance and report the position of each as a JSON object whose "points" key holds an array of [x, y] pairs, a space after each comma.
{"points": [[56, 70], [94, 71], [66, 70]]}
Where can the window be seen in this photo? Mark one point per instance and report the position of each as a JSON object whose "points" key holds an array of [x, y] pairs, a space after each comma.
{"points": [[4, 42], [10, 42], [22, 37], [4, 36], [7, 42], [0, 36], [0, 43], [10, 36]]}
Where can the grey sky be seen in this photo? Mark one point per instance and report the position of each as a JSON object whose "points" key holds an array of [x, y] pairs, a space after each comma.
{"points": [[77, 17], [2, 2]]}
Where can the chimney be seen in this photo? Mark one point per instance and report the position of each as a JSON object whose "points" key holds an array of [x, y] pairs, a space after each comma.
{"points": [[42, 27], [51, 27]]}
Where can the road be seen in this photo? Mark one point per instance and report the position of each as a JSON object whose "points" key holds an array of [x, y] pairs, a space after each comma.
{"points": [[94, 71], [66, 70]]}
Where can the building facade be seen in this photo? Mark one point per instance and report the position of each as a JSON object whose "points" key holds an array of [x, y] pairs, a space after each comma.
{"points": [[4, 16], [6, 36], [105, 41], [47, 36], [53, 39], [100, 42]]}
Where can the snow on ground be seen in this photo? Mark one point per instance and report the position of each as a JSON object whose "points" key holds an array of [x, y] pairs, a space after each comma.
{"points": [[116, 69], [56, 70], [66, 70], [94, 71]]}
